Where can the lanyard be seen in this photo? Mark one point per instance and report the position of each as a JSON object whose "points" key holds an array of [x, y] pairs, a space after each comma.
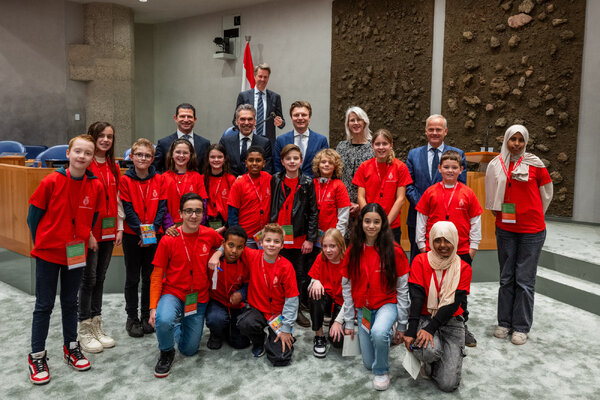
{"points": [[72, 208], [144, 197], [215, 196], [508, 175], [289, 201], [381, 181], [183, 180], [260, 199], [438, 286], [323, 191], [187, 253], [105, 182], [447, 206], [262, 265]]}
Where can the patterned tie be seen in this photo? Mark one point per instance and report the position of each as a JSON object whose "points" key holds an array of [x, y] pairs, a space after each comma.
{"points": [[188, 138], [244, 152], [434, 163], [260, 115], [301, 145]]}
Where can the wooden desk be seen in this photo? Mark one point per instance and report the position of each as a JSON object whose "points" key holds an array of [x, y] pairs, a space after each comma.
{"points": [[13, 160]]}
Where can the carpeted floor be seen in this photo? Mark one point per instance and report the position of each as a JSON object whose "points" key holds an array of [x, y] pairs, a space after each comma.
{"points": [[561, 360]]}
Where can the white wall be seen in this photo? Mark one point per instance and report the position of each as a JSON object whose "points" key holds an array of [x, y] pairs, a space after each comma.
{"points": [[293, 37]]}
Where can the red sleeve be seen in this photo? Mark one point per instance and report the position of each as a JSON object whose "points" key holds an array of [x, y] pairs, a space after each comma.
{"points": [[124, 189], [43, 193], [402, 267], [216, 239], [543, 177], [341, 195], [474, 206], [359, 176], [404, 178], [465, 277], [315, 270], [164, 193], [344, 268], [423, 204], [416, 271]]}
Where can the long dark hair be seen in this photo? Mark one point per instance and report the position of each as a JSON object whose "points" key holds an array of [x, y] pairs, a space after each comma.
{"points": [[192, 164], [206, 169], [384, 245], [95, 130]]}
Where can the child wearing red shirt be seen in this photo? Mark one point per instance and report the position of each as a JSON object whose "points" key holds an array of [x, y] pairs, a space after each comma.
{"points": [[62, 213], [180, 283], [383, 180], [144, 201], [217, 182]]}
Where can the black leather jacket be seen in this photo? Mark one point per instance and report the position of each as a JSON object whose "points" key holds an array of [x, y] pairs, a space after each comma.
{"points": [[305, 212]]}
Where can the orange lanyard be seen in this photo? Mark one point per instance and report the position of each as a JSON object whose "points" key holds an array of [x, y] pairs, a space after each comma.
{"points": [[447, 206]]}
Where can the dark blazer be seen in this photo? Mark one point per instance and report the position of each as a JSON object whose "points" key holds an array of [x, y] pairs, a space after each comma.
{"points": [[163, 145], [419, 171], [232, 146], [316, 143], [273, 105]]}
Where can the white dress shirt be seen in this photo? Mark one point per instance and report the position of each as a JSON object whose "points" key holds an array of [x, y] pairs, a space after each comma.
{"points": [[191, 135]]}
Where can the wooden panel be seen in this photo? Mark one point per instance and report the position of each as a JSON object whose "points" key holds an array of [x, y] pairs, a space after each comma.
{"points": [[13, 160], [476, 181]]}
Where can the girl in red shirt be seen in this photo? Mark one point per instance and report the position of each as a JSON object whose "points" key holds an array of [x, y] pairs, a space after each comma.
{"points": [[325, 289], [375, 284], [107, 233], [217, 182], [383, 180]]}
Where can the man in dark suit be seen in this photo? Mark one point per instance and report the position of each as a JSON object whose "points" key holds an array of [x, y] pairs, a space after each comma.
{"points": [[310, 142], [238, 144], [266, 103], [185, 118]]}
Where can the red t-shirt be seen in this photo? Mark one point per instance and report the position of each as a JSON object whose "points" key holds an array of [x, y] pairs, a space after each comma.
{"points": [[219, 188], [528, 202], [457, 205], [177, 186], [109, 183], [270, 284], [420, 274], [330, 276], [252, 198], [285, 213], [144, 197], [369, 289], [229, 281], [174, 273], [381, 181], [65, 199], [331, 196]]}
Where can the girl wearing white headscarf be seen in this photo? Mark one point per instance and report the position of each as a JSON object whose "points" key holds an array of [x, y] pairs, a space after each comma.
{"points": [[439, 282], [518, 190]]}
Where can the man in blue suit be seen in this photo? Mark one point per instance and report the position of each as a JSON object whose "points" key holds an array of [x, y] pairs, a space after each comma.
{"points": [[266, 103], [237, 145], [310, 142], [185, 118]]}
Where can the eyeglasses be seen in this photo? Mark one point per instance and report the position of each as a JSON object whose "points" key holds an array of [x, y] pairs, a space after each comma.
{"points": [[142, 156], [190, 211]]}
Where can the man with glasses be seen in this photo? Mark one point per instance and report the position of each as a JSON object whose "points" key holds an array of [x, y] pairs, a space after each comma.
{"points": [[185, 118]]}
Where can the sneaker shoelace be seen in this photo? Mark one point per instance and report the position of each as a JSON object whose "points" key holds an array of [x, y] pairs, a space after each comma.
{"points": [[76, 354], [39, 364]]}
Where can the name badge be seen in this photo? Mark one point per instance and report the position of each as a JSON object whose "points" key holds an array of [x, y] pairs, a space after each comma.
{"points": [[509, 213], [288, 234], [109, 228], [76, 254], [276, 323], [365, 322], [191, 304], [148, 234]]}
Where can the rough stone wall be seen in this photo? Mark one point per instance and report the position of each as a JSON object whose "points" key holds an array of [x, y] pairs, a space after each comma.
{"points": [[381, 62], [513, 62]]}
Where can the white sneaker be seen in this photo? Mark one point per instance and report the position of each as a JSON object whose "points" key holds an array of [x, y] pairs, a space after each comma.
{"points": [[101, 336], [381, 382], [87, 339], [501, 332], [518, 338]]}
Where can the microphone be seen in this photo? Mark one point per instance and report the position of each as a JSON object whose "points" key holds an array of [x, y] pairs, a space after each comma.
{"points": [[270, 117]]}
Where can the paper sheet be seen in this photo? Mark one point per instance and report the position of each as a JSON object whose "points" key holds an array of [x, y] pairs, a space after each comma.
{"points": [[411, 364], [351, 347]]}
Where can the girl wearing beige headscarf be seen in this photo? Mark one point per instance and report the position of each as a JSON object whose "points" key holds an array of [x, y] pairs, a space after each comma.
{"points": [[439, 282], [518, 190]]}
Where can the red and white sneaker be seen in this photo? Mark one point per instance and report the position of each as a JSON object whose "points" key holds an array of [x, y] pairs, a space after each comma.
{"points": [[38, 368], [75, 358]]}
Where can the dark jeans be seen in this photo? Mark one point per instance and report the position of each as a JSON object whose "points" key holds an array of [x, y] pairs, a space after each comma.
{"points": [[138, 260], [317, 315], [222, 322], [466, 258], [46, 281], [412, 237], [518, 255], [252, 323], [92, 280], [397, 232], [302, 264]]}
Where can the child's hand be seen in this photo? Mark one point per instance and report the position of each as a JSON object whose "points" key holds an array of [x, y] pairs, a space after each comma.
{"points": [[92, 243], [172, 231], [119, 238], [399, 337], [307, 247], [316, 290], [152, 319], [285, 339], [337, 332], [424, 338], [215, 260], [235, 298], [221, 230], [472, 253], [408, 341]]}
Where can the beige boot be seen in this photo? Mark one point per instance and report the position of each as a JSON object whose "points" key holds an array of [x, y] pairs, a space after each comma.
{"points": [[87, 339], [102, 337]]}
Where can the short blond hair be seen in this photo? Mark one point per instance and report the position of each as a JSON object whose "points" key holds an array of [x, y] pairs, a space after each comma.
{"points": [[86, 137], [273, 228], [334, 156], [142, 142]]}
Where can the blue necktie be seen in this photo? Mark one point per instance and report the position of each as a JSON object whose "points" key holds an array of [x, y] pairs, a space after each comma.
{"points": [[187, 137], [244, 152], [434, 163], [260, 114]]}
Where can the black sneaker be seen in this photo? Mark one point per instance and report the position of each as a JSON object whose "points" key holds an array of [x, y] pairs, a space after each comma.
{"points": [[470, 340], [134, 327], [75, 358], [258, 350], [302, 320], [214, 342], [163, 366], [146, 327], [38, 368], [320, 347]]}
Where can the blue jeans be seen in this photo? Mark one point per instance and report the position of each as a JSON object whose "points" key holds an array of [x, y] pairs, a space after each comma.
{"points": [[518, 255], [92, 281], [375, 346], [46, 281], [222, 323], [172, 326]]}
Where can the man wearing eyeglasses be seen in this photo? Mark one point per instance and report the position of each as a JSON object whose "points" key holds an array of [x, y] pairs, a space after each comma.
{"points": [[185, 118]]}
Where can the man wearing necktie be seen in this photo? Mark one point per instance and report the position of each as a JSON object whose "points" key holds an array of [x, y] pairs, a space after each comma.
{"points": [[266, 103], [185, 119]]}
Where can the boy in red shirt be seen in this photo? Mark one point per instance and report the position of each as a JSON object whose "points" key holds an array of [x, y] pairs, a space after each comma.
{"points": [[63, 211], [228, 292], [250, 197], [452, 201], [144, 201], [179, 284]]}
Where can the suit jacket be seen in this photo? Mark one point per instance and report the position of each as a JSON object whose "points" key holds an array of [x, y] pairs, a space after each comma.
{"points": [[163, 145], [273, 105], [419, 171], [316, 142], [232, 146]]}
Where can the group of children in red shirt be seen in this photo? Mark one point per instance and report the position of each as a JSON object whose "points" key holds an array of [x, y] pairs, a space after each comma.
{"points": [[284, 247]]}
